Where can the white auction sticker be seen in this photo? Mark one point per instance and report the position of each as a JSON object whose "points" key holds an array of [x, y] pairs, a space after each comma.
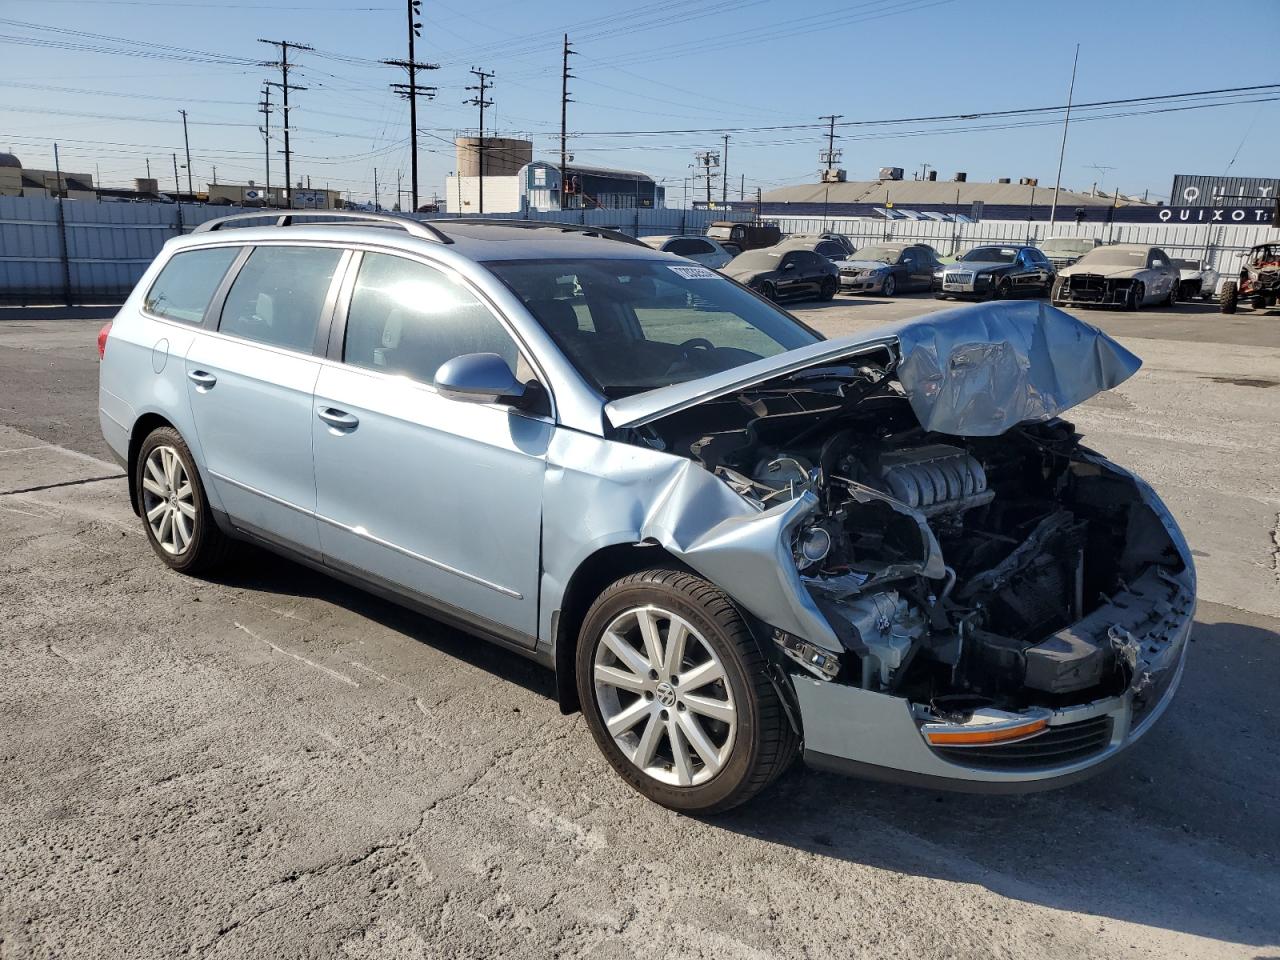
{"points": [[692, 272]]}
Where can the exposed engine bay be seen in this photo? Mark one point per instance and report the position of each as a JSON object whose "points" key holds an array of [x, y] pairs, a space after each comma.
{"points": [[1000, 571]]}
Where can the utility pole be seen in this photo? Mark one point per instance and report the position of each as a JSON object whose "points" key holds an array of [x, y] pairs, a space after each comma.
{"points": [[708, 159], [285, 87], [724, 174], [831, 157], [57, 169], [1062, 151], [264, 108], [565, 77], [376, 207], [177, 184], [411, 91], [148, 168], [479, 101], [399, 192], [187, 142]]}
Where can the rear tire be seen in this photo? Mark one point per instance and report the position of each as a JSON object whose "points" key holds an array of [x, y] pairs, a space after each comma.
{"points": [[698, 728], [1229, 297], [828, 290], [175, 510]]}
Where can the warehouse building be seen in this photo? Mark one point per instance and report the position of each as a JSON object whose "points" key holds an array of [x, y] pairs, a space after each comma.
{"points": [[891, 197], [19, 181], [514, 182]]}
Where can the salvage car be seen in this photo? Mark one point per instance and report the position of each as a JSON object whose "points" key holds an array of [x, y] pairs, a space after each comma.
{"points": [[1258, 284], [785, 273], [1064, 251], [997, 273], [703, 250], [1196, 279], [833, 246], [732, 540], [745, 236], [890, 268], [1128, 275]]}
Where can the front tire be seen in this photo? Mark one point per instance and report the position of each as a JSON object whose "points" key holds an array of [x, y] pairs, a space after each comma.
{"points": [[1137, 293], [769, 292], [1229, 297], [828, 290], [890, 286], [175, 511], [676, 693]]}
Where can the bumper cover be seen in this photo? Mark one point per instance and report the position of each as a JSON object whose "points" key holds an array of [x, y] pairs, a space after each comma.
{"points": [[877, 736]]}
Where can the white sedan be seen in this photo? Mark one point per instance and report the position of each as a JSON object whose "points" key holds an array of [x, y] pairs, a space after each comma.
{"points": [[703, 250]]}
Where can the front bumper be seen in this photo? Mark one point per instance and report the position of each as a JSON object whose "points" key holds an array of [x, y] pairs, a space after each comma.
{"points": [[878, 736], [857, 283], [1092, 290]]}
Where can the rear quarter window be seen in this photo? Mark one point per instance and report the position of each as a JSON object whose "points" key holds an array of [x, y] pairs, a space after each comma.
{"points": [[187, 283]]}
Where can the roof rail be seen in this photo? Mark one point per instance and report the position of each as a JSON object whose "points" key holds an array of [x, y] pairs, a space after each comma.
{"points": [[604, 233], [417, 228]]}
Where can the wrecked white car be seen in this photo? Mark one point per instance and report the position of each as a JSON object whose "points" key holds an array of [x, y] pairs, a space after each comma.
{"points": [[734, 541]]}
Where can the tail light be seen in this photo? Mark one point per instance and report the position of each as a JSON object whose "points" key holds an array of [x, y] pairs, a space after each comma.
{"points": [[102, 340]]}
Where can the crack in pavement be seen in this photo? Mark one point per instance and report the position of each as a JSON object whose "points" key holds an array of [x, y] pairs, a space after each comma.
{"points": [[61, 483]]}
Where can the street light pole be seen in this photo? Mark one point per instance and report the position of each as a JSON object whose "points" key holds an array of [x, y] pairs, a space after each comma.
{"points": [[1062, 151]]}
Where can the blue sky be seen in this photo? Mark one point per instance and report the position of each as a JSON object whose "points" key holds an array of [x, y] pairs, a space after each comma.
{"points": [[664, 65]]}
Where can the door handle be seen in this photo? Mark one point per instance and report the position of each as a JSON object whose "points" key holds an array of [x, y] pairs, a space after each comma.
{"points": [[202, 378], [338, 419]]}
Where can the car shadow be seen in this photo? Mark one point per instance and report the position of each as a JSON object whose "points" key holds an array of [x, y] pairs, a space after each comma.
{"points": [[260, 571], [1182, 834]]}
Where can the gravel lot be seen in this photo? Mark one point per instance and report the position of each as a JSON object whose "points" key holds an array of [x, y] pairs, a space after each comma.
{"points": [[271, 764]]}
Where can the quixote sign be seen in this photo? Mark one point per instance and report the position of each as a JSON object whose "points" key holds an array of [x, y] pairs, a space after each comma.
{"points": [[1253, 215]]}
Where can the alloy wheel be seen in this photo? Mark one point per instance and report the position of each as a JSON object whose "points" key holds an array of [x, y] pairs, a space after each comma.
{"points": [[664, 696], [168, 500]]}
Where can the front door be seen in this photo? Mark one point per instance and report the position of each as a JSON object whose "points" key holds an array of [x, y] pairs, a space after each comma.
{"points": [[250, 387], [435, 498]]}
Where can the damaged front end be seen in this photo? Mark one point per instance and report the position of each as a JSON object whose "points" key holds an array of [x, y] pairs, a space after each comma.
{"points": [[1095, 289], [1005, 606]]}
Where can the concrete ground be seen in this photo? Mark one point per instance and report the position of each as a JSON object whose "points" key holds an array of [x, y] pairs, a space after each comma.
{"points": [[271, 764]]}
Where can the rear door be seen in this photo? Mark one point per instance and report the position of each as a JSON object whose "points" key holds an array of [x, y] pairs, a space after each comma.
{"points": [[435, 498], [250, 384]]}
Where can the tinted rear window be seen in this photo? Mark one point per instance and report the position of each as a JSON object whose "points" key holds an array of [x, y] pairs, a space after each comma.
{"points": [[187, 284], [278, 295]]}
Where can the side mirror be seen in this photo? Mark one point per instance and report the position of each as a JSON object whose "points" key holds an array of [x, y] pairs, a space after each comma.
{"points": [[788, 266], [479, 378]]}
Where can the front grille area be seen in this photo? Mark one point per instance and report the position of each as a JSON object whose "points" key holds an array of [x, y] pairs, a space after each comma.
{"points": [[1057, 745], [957, 278]]}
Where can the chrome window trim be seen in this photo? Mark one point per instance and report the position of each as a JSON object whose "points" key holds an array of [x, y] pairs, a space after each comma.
{"points": [[366, 535]]}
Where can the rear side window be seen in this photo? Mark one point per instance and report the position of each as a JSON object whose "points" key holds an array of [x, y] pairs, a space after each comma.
{"points": [[688, 247], [187, 283], [278, 294], [410, 319]]}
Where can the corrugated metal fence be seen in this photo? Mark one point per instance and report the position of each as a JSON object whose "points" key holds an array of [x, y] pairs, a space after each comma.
{"points": [[83, 252], [1221, 246]]}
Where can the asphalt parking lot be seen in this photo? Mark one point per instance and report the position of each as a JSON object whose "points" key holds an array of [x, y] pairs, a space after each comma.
{"points": [[271, 764]]}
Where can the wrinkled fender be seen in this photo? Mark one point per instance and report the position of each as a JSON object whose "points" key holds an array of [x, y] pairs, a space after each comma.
{"points": [[599, 493]]}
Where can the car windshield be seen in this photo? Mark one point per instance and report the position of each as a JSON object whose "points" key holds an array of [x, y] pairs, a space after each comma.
{"points": [[1115, 257], [990, 255], [883, 254], [1069, 246], [766, 259], [634, 325]]}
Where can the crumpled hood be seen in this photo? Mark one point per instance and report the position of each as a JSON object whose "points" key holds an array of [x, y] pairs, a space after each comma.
{"points": [[970, 371], [1121, 272], [862, 265]]}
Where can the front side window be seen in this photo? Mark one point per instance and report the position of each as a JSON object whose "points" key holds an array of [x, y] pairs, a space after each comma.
{"points": [[278, 295], [648, 323], [187, 283], [410, 319]]}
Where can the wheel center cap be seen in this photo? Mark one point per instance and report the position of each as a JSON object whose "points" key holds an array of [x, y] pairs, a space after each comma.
{"points": [[666, 695]]}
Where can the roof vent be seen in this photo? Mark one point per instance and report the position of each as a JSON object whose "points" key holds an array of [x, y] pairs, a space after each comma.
{"points": [[891, 173], [933, 175], [1004, 180], [961, 177]]}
